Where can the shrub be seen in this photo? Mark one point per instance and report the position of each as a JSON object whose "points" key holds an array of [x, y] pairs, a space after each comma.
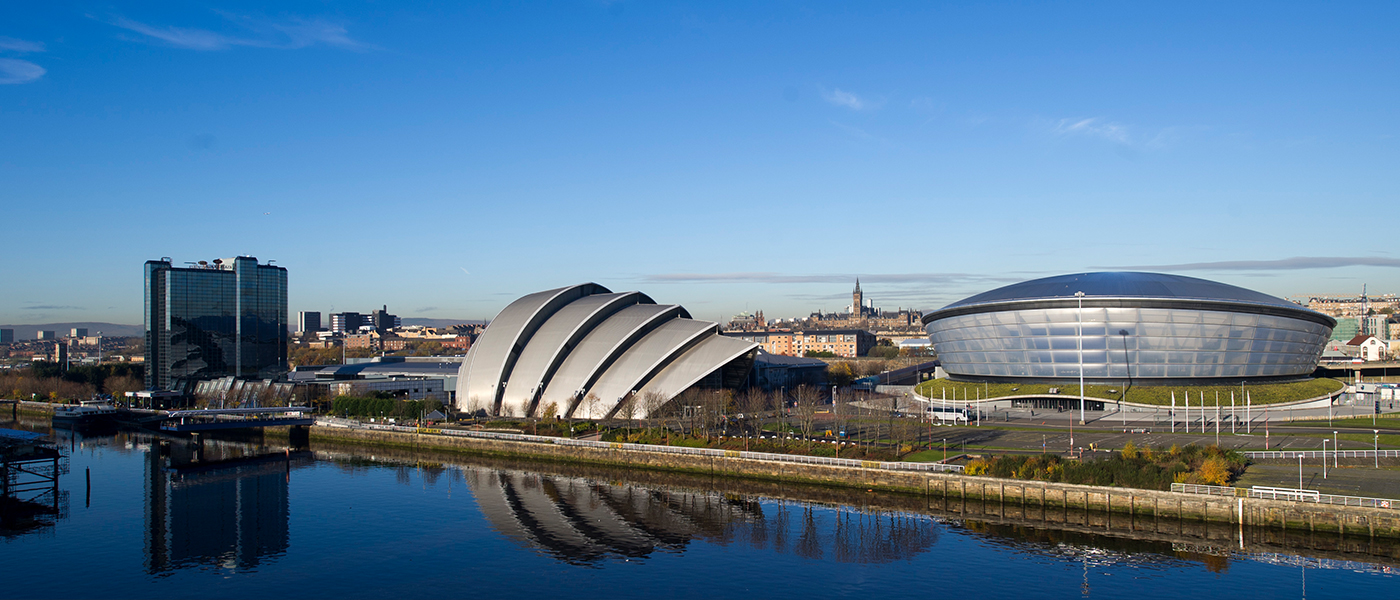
{"points": [[976, 467], [1130, 451], [1215, 471]]}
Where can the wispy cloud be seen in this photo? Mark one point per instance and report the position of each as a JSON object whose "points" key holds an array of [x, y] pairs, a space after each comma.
{"points": [[23, 46], [1118, 134], [256, 33], [849, 100], [14, 70], [1296, 263], [51, 307], [779, 278], [1092, 127]]}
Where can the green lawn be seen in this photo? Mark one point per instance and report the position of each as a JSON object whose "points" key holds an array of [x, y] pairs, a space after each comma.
{"points": [[1269, 393]]}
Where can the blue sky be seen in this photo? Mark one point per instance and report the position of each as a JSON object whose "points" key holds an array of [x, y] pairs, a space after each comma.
{"points": [[446, 158]]}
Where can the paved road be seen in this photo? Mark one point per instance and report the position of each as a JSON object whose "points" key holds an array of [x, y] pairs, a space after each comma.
{"points": [[1004, 427], [1356, 479]]}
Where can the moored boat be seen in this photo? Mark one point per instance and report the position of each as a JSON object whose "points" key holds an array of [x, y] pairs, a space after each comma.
{"points": [[86, 414]]}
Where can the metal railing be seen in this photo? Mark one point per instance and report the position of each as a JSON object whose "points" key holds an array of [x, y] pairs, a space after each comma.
{"points": [[712, 452], [1209, 490], [1289, 494], [1276, 493], [1282, 454]]}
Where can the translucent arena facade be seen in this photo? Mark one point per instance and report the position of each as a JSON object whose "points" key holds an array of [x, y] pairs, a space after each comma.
{"points": [[1147, 327], [580, 351]]}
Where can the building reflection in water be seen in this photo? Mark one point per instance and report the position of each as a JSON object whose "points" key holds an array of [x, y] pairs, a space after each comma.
{"points": [[583, 521], [215, 503]]}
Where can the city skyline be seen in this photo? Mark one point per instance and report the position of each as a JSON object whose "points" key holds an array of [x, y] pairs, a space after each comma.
{"points": [[727, 157]]}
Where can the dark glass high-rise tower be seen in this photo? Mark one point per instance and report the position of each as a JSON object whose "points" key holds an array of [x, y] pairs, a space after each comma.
{"points": [[209, 320]]}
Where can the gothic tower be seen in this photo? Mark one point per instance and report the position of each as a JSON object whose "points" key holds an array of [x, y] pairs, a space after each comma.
{"points": [[857, 301]]}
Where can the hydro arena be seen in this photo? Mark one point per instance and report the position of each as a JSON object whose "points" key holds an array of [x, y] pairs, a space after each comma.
{"points": [[1136, 327]]}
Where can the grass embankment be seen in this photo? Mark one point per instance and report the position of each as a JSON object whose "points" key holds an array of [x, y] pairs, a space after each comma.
{"points": [[776, 446], [1142, 468], [1262, 393]]}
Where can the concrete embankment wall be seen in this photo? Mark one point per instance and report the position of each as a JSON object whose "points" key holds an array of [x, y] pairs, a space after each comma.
{"points": [[1346, 520], [36, 408]]}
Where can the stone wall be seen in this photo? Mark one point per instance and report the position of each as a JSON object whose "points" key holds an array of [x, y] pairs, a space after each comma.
{"points": [[1134, 503]]}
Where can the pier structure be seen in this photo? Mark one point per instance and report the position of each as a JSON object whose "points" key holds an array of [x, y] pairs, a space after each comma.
{"points": [[30, 464]]}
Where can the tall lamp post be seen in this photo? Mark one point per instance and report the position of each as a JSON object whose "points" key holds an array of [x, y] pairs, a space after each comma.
{"points": [[1377, 442], [1324, 457], [1128, 366], [1079, 341]]}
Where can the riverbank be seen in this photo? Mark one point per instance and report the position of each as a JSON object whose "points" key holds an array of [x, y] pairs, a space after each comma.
{"points": [[1133, 503]]}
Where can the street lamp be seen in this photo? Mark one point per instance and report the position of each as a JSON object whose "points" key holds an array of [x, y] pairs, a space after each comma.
{"points": [[1079, 341], [1128, 366], [1377, 451], [1324, 457], [1335, 447]]}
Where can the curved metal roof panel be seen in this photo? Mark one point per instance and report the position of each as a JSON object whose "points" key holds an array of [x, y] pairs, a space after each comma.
{"points": [[495, 352], [553, 341], [1120, 285], [690, 367], [640, 361], [599, 348]]}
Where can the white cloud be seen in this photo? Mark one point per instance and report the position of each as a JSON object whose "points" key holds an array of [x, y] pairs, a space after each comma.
{"points": [[288, 35], [14, 70], [1093, 127], [843, 98], [14, 45]]}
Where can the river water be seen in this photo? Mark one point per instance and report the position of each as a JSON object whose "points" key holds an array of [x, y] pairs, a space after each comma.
{"points": [[165, 518]]}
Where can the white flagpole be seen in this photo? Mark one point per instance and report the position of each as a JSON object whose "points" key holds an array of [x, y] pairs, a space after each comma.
{"points": [[1173, 412]]}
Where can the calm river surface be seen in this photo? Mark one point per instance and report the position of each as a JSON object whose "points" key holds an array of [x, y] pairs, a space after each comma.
{"points": [[166, 519]]}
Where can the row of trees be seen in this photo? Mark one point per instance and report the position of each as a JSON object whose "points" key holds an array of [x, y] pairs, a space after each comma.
{"points": [[49, 381], [380, 405], [1134, 467]]}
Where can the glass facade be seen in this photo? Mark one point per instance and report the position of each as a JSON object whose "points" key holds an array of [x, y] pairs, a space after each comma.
{"points": [[229, 319], [1126, 341]]}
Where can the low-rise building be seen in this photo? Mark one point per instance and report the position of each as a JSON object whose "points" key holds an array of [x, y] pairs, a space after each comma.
{"points": [[848, 343], [1368, 347]]}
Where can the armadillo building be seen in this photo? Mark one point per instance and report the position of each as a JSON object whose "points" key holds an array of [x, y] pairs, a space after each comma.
{"points": [[581, 351], [1143, 327]]}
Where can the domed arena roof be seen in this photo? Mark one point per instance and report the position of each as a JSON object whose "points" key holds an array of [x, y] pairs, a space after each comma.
{"points": [[1124, 285]]}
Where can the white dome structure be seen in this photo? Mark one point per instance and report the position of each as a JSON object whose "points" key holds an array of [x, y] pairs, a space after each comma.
{"points": [[581, 351], [1143, 327]]}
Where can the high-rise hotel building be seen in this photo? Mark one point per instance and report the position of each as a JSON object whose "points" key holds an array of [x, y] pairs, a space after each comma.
{"points": [[214, 319]]}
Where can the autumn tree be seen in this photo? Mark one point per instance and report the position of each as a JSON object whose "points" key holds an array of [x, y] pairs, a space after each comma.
{"points": [[627, 409], [807, 400], [651, 405]]}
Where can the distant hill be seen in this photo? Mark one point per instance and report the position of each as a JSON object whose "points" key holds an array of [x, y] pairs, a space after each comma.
{"points": [[426, 322], [28, 332]]}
